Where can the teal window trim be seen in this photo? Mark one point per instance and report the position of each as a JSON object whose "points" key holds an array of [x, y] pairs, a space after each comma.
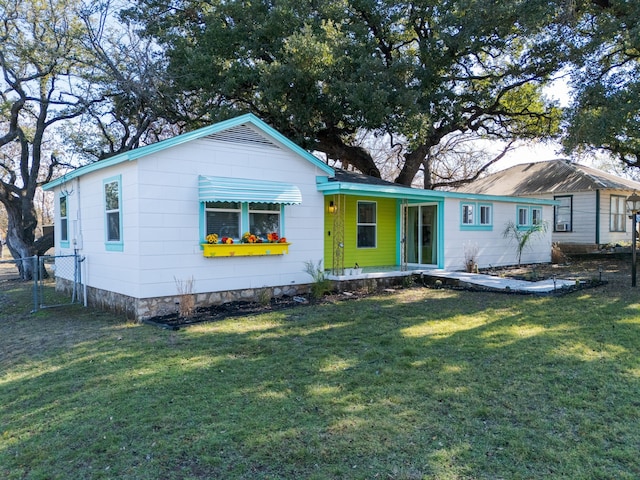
{"points": [[244, 221], [464, 207], [475, 224], [529, 223], [488, 223], [64, 221], [113, 245], [533, 216]]}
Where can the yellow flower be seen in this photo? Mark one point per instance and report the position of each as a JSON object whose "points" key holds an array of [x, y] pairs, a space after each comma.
{"points": [[212, 238]]}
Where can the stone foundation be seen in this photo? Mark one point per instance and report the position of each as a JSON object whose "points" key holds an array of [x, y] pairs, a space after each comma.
{"points": [[140, 309]]}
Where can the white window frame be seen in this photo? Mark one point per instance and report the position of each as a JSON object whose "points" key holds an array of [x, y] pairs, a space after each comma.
{"points": [[536, 216], [486, 219], [523, 211], [113, 243], [276, 210], [367, 225], [63, 204], [468, 213], [223, 208], [617, 215]]}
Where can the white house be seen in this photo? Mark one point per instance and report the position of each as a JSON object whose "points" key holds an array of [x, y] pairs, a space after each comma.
{"points": [[591, 203], [142, 218]]}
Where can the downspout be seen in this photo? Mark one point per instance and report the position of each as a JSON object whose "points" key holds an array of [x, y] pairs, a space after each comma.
{"points": [[597, 217], [79, 246]]}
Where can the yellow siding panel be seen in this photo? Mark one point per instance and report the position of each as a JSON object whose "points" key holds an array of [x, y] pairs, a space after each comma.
{"points": [[385, 250]]}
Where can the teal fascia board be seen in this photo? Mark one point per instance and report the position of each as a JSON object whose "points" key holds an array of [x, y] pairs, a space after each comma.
{"points": [[415, 194], [224, 189], [186, 137]]}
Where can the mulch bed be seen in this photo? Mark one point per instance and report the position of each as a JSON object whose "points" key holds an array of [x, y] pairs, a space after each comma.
{"points": [[239, 309], [609, 271]]}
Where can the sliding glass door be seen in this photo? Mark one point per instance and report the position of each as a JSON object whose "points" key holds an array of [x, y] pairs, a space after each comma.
{"points": [[421, 233]]}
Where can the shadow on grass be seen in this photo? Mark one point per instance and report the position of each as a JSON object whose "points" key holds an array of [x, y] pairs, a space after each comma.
{"points": [[422, 384]]}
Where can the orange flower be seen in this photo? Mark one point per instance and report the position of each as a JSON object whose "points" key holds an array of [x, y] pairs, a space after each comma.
{"points": [[272, 237], [283, 240]]}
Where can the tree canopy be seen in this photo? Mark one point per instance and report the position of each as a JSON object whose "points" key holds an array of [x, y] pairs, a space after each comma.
{"points": [[320, 72], [606, 80], [57, 68]]}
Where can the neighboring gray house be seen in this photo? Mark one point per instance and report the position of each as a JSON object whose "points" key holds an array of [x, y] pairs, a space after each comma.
{"points": [[591, 209]]}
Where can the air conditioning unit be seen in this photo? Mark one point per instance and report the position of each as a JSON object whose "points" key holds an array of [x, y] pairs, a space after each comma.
{"points": [[562, 227]]}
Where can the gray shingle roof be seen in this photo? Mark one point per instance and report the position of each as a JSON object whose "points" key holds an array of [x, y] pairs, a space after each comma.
{"points": [[553, 176]]}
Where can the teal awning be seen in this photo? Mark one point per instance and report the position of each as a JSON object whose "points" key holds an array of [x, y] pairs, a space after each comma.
{"points": [[225, 189]]}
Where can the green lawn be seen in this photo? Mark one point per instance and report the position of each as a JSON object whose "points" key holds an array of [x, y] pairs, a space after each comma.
{"points": [[420, 384]]}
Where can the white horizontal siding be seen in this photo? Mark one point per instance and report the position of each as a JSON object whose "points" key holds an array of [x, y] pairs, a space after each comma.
{"points": [[493, 248], [161, 230]]}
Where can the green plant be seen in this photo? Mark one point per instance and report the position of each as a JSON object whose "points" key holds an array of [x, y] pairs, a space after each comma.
{"points": [[523, 235], [321, 285]]}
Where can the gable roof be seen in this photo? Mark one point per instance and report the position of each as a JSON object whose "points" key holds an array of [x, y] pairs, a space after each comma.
{"points": [[549, 177], [235, 130]]}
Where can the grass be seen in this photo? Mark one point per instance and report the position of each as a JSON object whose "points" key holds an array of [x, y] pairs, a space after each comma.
{"points": [[434, 384]]}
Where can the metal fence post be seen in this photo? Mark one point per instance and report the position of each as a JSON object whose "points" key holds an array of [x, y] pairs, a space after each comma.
{"points": [[35, 283]]}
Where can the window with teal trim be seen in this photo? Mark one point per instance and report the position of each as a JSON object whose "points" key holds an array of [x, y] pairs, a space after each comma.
{"points": [[234, 219], [486, 217], [523, 216], [223, 219], [264, 218], [468, 217], [528, 216], [113, 213], [64, 222], [476, 216], [536, 216]]}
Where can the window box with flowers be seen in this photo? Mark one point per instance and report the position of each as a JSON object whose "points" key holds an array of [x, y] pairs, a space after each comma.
{"points": [[249, 245]]}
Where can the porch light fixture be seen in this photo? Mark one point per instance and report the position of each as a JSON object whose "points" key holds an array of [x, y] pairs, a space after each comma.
{"points": [[333, 209], [633, 207]]}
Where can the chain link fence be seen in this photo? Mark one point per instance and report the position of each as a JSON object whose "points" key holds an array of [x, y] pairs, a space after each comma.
{"points": [[57, 279]]}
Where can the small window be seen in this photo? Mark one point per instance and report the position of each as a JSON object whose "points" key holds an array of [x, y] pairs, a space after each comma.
{"points": [[536, 216], [64, 220], [562, 221], [485, 215], [113, 211], [467, 214], [223, 218], [264, 218], [617, 215], [523, 216], [366, 225]]}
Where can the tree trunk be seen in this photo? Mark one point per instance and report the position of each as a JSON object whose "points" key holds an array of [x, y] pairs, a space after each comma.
{"points": [[20, 234], [413, 161]]}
